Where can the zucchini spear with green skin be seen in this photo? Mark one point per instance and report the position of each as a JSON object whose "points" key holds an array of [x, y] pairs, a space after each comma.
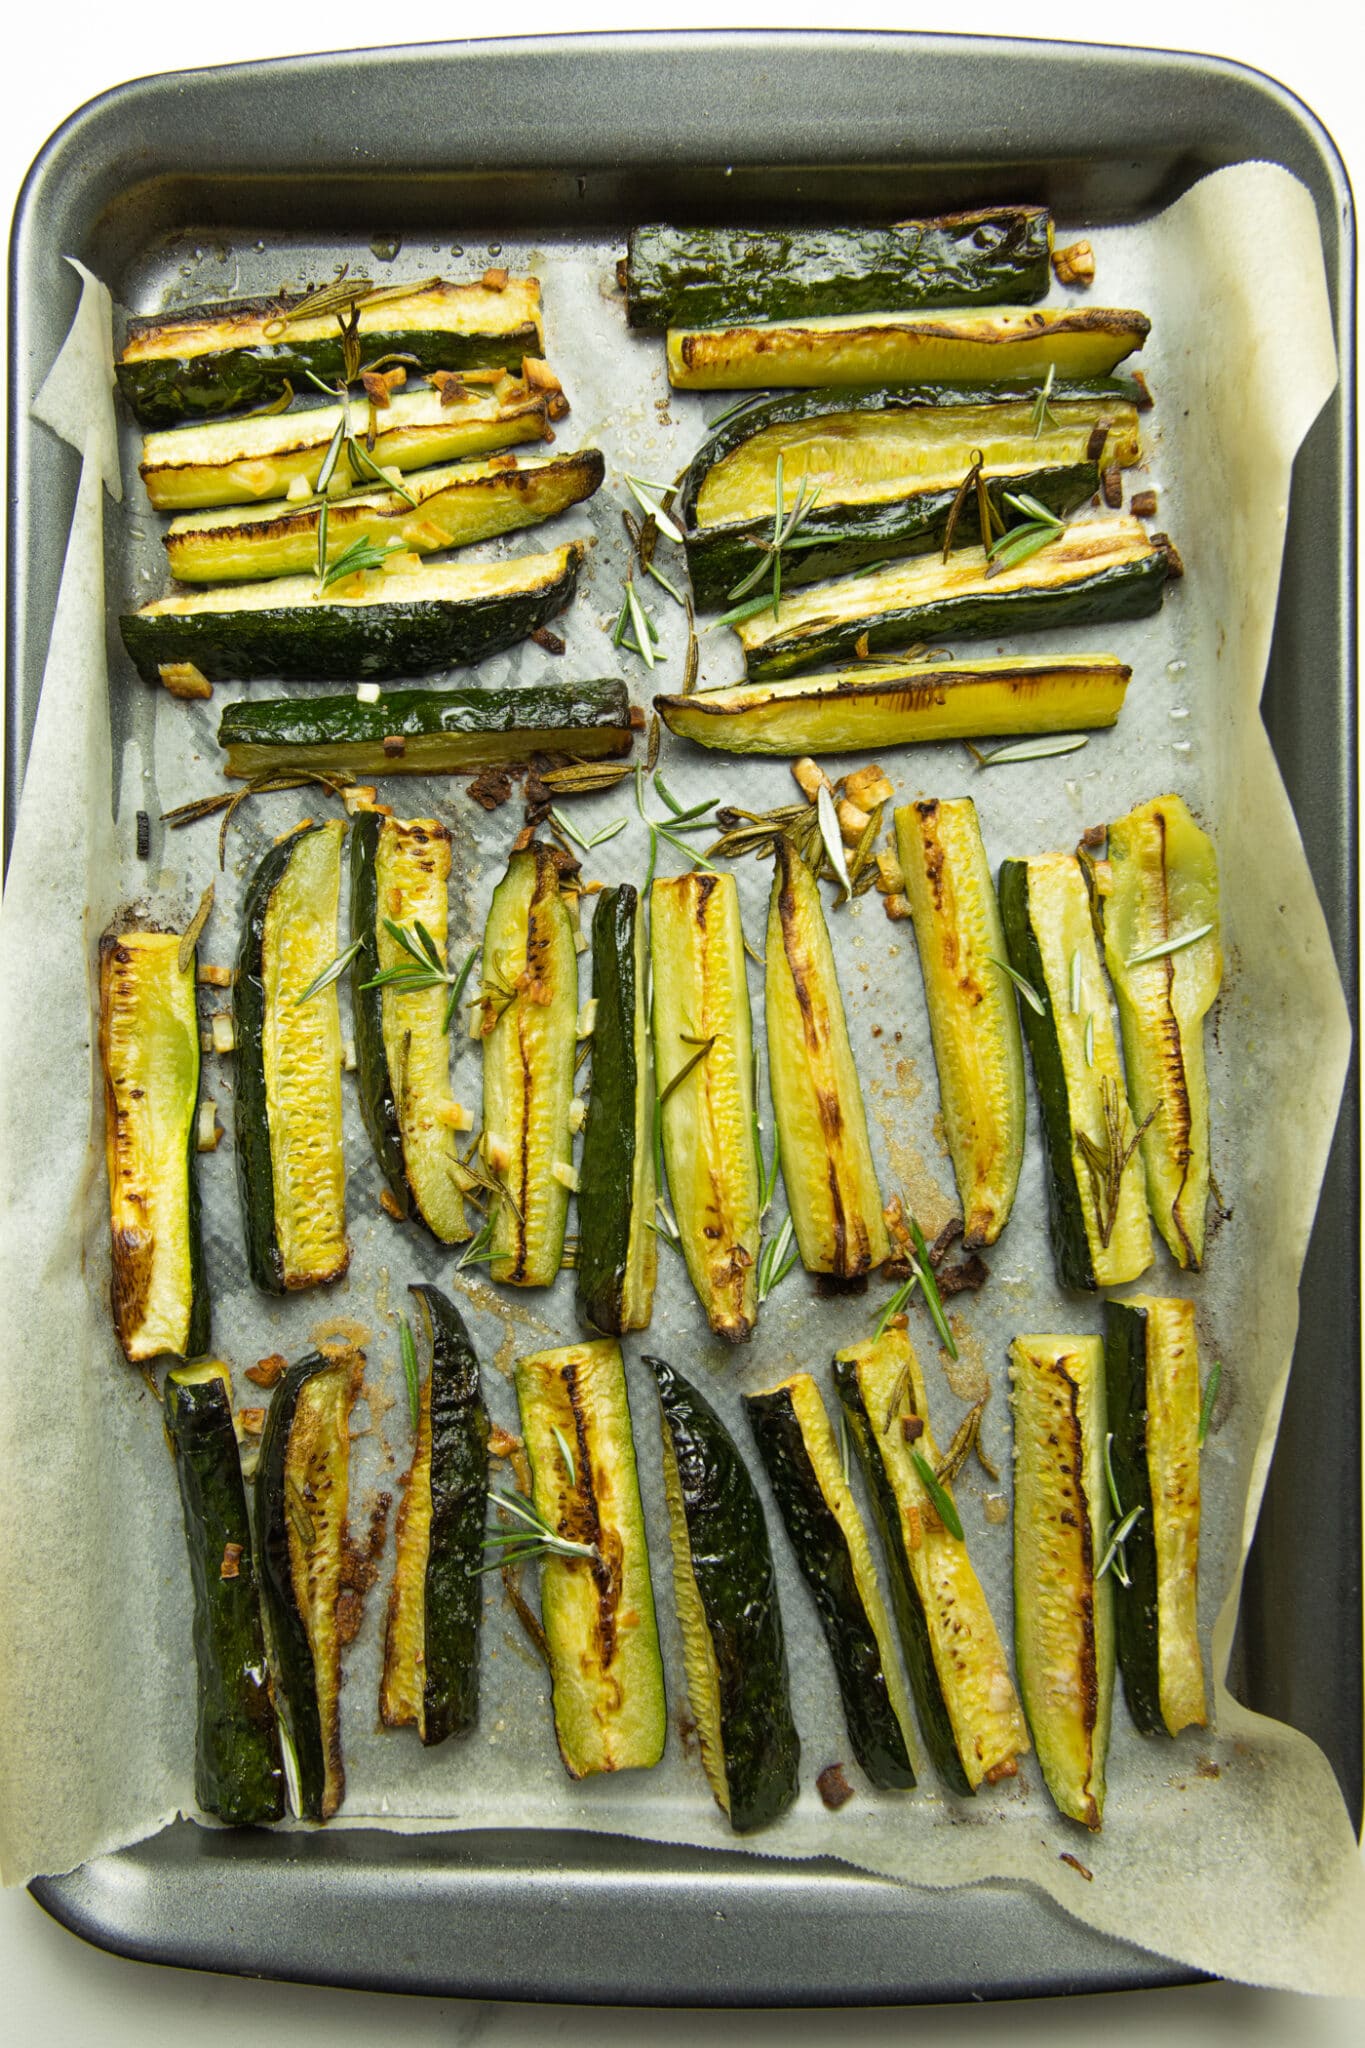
{"points": [[149, 1054], [1097, 1209], [291, 1169], [1096, 571], [425, 732], [1157, 897], [1063, 1603], [596, 1594], [924, 347], [302, 1497], [450, 507], [1151, 1360], [238, 1772], [827, 1169], [801, 1454], [431, 1640], [703, 1058], [973, 1011], [211, 359], [877, 474], [404, 619], [725, 1591], [617, 1244], [969, 1716], [697, 276], [400, 871], [896, 704], [527, 1020], [243, 462]]}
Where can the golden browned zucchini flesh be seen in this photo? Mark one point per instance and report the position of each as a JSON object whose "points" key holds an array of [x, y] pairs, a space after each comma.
{"points": [[149, 1050], [973, 1013], [827, 1168], [1063, 1604], [703, 1061]]}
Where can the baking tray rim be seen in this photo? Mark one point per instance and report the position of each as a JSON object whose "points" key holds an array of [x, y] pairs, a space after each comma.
{"points": [[83, 128]]}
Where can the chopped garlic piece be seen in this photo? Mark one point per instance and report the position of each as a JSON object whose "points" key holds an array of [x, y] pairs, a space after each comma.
{"points": [[223, 1031], [587, 1018], [578, 1114], [455, 1116], [566, 1175], [367, 693], [208, 1131]]}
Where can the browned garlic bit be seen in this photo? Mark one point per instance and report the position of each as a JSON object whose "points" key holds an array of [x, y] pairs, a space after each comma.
{"points": [[1075, 264], [184, 680]]}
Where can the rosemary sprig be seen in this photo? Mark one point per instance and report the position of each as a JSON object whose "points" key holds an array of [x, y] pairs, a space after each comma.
{"points": [[480, 1247], [1120, 1528], [942, 1504], [585, 778], [409, 1355], [608, 831], [230, 801], [425, 967], [988, 519], [1175, 945], [786, 526], [933, 1300], [1211, 1387], [1105, 1162], [1042, 411], [332, 972], [776, 1259], [535, 1538], [1017, 544], [1028, 750], [361, 554], [965, 1438], [1025, 988], [893, 1308], [703, 1046], [663, 1226], [566, 1453], [653, 507]]}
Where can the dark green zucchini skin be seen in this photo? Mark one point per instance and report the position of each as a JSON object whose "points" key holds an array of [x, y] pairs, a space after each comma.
{"points": [[343, 642], [536, 709], [935, 1723], [606, 1172], [853, 537], [251, 1118], [291, 1655], [1127, 590], [1136, 1607], [378, 1106], [459, 1511], [732, 1566], [201, 1306], [740, 423], [699, 277], [822, 1553], [1066, 1218], [163, 391], [238, 1771]]}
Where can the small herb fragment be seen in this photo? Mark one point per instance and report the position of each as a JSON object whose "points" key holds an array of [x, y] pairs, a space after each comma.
{"points": [[534, 1539], [1175, 945], [409, 1354], [332, 972], [1025, 987], [942, 1504], [1028, 750], [1105, 1162], [1210, 1397]]}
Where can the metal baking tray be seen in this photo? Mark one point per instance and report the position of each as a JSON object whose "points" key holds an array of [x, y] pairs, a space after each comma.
{"points": [[596, 132]]}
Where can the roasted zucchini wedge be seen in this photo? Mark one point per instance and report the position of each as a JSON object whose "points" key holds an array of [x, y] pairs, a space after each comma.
{"points": [[528, 1022], [426, 732], [968, 1713], [1063, 1605], [291, 1170], [905, 348], [801, 1454], [895, 704], [827, 1169], [697, 276], [617, 1246], [400, 872], [598, 1608], [302, 1497], [1151, 1363], [454, 506], [973, 1014], [238, 1772], [1096, 1205], [888, 466], [430, 1678], [1095, 572], [211, 359], [725, 1591], [242, 462], [1158, 900], [703, 1058], [407, 619], [149, 1052]]}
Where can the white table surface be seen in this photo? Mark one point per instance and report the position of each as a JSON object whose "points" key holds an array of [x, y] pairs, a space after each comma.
{"points": [[56, 1989]]}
